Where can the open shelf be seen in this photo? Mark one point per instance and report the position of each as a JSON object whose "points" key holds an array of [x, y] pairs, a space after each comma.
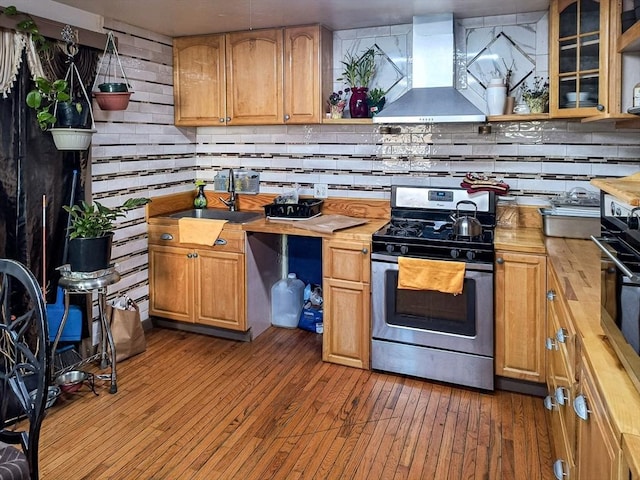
{"points": [[629, 41], [518, 117]]}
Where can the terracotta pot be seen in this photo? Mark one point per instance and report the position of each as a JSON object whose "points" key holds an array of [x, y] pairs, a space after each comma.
{"points": [[112, 101]]}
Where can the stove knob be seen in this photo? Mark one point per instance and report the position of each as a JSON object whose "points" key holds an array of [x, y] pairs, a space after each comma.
{"points": [[389, 248], [471, 255], [455, 253], [404, 249], [632, 223]]}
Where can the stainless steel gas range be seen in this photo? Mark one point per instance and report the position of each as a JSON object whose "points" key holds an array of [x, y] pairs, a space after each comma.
{"points": [[427, 333]]}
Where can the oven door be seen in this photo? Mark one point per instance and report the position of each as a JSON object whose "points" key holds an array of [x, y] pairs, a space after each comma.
{"points": [[461, 323]]}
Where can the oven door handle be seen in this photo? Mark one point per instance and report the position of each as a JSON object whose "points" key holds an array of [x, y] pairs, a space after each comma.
{"points": [[623, 268]]}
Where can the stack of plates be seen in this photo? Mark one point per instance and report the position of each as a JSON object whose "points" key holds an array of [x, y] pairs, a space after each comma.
{"points": [[588, 103]]}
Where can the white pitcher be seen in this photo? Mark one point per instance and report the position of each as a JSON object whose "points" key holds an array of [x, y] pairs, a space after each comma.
{"points": [[496, 96]]}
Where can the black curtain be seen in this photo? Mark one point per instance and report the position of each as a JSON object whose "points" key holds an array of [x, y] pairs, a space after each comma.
{"points": [[31, 167]]}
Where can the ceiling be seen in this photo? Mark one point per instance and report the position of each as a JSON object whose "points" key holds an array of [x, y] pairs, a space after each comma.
{"points": [[173, 18]]}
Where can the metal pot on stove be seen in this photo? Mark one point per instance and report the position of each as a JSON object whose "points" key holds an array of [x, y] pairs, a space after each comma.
{"points": [[465, 225]]}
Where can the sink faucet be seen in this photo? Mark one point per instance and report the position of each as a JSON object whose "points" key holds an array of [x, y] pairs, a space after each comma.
{"points": [[231, 188]]}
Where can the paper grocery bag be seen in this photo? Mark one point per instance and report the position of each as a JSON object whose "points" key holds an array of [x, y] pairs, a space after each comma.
{"points": [[127, 331]]}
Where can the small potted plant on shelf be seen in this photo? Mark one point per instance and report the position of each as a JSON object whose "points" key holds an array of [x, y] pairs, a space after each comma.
{"points": [[376, 100], [358, 73], [337, 102], [537, 96], [91, 232]]}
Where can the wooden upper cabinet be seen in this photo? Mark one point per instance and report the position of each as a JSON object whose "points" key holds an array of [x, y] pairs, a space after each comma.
{"points": [[199, 80], [579, 57], [307, 81], [254, 77]]}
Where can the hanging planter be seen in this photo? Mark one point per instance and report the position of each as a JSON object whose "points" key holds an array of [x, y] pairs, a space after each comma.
{"points": [[114, 91], [72, 138]]}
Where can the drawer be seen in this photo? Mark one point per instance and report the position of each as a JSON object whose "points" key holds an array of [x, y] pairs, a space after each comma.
{"points": [[228, 240]]}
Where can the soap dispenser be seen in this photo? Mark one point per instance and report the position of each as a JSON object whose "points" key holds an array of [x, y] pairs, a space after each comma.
{"points": [[200, 200]]}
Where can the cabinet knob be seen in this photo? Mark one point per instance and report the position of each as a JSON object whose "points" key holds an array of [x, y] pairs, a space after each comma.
{"points": [[222, 119], [551, 295], [600, 107], [220, 241], [195, 255], [287, 117], [499, 260], [228, 119], [365, 251], [580, 407], [166, 236], [189, 255]]}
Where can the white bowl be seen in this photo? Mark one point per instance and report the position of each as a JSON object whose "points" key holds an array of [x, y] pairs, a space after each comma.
{"points": [[573, 96]]}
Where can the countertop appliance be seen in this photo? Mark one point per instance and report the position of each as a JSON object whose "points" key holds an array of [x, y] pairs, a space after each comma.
{"points": [[620, 296], [426, 333]]}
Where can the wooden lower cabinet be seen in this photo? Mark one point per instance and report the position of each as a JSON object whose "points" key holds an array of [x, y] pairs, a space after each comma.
{"points": [[520, 281], [598, 453], [347, 303], [198, 285]]}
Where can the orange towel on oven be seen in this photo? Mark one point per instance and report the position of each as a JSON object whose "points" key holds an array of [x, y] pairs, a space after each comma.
{"points": [[440, 275]]}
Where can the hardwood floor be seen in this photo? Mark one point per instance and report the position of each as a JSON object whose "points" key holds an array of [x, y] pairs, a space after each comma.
{"points": [[196, 407]]}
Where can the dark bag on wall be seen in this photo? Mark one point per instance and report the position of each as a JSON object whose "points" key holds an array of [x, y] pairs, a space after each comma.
{"points": [[126, 328]]}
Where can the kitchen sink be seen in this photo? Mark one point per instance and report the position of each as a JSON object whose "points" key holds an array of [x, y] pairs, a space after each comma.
{"points": [[217, 214]]}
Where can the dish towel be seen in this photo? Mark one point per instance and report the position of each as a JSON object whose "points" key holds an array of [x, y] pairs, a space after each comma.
{"points": [[202, 231], [474, 182], [440, 275]]}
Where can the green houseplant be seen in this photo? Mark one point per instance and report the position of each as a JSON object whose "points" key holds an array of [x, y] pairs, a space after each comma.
{"points": [[67, 118], [357, 73], [91, 232], [537, 96]]}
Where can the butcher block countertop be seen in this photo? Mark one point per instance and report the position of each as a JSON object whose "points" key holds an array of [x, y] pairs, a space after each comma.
{"points": [[376, 213], [625, 188], [577, 266], [521, 240]]}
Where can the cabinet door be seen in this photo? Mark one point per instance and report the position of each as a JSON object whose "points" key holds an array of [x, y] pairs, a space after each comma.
{"points": [[199, 80], [254, 77], [171, 282], [307, 81], [347, 334], [520, 281], [578, 57], [220, 280], [599, 452], [347, 303]]}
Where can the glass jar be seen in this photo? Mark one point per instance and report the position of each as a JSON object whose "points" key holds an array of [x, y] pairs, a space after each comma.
{"points": [[507, 212]]}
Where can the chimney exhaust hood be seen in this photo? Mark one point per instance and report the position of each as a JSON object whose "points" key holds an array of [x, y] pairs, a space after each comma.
{"points": [[432, 98]]}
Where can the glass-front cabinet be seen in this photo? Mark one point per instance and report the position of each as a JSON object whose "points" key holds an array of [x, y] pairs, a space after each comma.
{"points": [[579, 53]]}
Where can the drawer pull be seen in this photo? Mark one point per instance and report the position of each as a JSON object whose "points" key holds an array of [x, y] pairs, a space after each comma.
{"points": [[551, 295], [548, 403], [561, 335], [365, 251], [220, 241], [166, 236], [558, 469], [550, 344], [499, 260], [561, 396], [580, 407]]}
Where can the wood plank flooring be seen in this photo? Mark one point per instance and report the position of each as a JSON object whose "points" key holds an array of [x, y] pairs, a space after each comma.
{"points": [[197, 407]]}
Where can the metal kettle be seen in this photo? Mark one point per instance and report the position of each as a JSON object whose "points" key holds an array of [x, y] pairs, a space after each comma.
{"points": [[465, 225]]}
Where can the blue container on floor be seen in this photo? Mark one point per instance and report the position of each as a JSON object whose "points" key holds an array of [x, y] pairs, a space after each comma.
{"points": [[73, 327]]}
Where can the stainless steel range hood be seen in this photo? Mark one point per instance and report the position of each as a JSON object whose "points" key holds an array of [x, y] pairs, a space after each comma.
{"points": [[433, 98]]}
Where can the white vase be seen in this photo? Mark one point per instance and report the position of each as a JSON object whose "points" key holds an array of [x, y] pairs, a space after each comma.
{"points": [[496, 98]]}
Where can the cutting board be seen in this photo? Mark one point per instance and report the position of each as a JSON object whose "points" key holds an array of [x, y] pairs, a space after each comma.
{"points": [[326, 223], [625, 188]]}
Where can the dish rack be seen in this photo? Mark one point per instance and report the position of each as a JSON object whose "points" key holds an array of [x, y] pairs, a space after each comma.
{"points": [[245, 181]]}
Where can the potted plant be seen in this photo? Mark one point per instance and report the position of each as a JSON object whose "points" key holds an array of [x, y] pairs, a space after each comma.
{"points": [[376, 100], [113, 91], [358, 73], [57, 110], [337, 103], [91, 233], [536, 97]]}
